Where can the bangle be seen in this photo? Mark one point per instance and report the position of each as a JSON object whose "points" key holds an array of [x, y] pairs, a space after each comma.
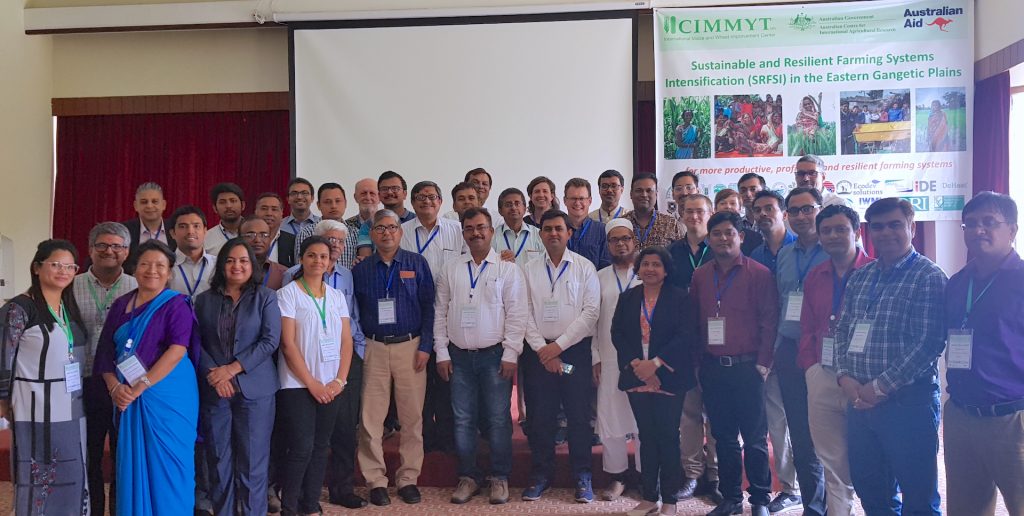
{"points": [[657, 362], [145, 379], [341, 383], [111, 391]]}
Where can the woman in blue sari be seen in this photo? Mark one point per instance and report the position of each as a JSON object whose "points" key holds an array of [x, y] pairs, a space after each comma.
{"points": [[147, 354]]}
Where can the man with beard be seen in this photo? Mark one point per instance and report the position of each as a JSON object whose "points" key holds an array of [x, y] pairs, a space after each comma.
{"points": [[229, 204]]}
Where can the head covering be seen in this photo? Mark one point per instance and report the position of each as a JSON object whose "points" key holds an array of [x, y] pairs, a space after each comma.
{"points": [[617, 223]]}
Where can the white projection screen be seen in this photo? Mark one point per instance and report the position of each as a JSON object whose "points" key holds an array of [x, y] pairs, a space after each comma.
{"points": [[521, 99]]}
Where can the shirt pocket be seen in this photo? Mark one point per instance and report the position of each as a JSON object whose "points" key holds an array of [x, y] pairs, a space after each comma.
{"points": [[572, 293], [492, 292]]}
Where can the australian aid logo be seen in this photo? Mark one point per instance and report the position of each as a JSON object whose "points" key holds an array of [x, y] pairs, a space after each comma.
{"points": [[936, 18]]}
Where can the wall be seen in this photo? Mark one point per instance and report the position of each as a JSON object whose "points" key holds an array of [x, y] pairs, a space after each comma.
{"points": [[997, 25], [26, 138]]}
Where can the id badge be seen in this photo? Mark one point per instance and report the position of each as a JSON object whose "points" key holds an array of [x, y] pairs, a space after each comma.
{"points": [[131, 369], [386, 311], [72, 377], [551, 310], [330, 349], [828, 351], [470, 315], [859, 340], [959, 349], [794, 304], [716, 331]]}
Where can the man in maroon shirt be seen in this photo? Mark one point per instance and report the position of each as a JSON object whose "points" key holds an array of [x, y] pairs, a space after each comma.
{"points": [[736, 319]]}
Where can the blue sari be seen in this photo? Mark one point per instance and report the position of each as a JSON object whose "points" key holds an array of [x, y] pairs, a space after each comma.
{"points": [[157, 433]]}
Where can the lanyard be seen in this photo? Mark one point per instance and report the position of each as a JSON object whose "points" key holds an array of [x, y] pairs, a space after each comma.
{"points": [[102, 307], [223, 232], [321, 309], [334, 280], [719, 292], [390, 277], [184, 277], [554, 280], [647, 232], [429, 240], [875, 294], [152, 235], [649, 315], [600, 216], [579, 236], [295, 231], [697, 263], [971, 300], [266, 277], [473, 281], [273, 246], [65, 324], [802, 271], [838, 289], [617, 280], [521, 245]]}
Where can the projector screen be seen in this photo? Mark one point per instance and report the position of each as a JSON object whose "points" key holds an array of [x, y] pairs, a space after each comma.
{"points": [[521, 99]]}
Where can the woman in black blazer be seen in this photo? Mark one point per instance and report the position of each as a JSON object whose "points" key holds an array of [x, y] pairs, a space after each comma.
{"points": [[657, 370]]}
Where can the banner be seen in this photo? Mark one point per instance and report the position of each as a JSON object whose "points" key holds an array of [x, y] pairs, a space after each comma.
{"points": [[881, 91]]}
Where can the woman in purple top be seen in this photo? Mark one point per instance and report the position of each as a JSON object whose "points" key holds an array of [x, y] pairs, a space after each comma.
{"points": [[142, 354]]}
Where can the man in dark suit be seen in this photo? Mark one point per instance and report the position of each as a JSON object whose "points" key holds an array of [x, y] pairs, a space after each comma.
{"points": [[149, 205], [270, 208]]}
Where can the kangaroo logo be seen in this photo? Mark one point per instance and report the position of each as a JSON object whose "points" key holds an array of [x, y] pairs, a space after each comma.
{"points": [[941, 22]]}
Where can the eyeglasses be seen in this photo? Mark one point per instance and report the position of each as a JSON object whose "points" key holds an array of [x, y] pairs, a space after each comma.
{"points": [[896, 225], [300, 193], [989, 223], [838, 230], [645, 191], [58, 266], [609, 187], [807, 173], [104, 247], [332, 240], [386, 189], [684, 188], [252, 235], [380, 229], [620, 240], [576, 199], [512, 204], [475, 229], [806, 209], [426, 197]]}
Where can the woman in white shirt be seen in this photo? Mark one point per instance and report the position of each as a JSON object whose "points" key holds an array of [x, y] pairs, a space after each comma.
{"points": [[316, 352]]}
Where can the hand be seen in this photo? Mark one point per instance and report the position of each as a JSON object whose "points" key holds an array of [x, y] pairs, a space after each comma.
{"points": [[319, 392], [850, 389], [225, 389], [763, 371], [122, 396], [653, 383], [644, 369], [221, 374], [554, 366], [549, 352], [508, 255], [358, 259], [597, 374], [334, 389], [444, 370], [422, 357], [868, 396], [508, 370]]}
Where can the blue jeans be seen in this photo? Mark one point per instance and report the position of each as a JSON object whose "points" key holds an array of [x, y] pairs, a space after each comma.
{"points": [[475, 378], [895, 445]]}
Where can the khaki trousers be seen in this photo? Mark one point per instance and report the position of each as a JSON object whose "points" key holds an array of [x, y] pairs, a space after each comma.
{"points": [[383, 364], [983, 454], [693, 429], [826, 414]]}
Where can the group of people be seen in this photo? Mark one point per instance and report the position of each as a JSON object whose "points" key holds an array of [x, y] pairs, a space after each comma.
{"points": [[894, 109], [749, 125], [236, 368]]}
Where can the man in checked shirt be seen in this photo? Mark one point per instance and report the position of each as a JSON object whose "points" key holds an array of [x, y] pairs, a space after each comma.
{"points": [[890, 333]]}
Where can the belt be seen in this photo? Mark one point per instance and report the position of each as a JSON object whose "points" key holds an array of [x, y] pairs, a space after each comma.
{"points": [[393, 339], [452, 346], [997, 410], [730, 360]]}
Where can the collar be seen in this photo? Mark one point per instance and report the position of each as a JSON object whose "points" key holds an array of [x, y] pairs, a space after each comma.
{"points": [[738, 261], [796, 245], [567, 256], [92, 277], [1012, 261], [492, 257], [525, 228], [144, 229], [901, 262], [182, 259], [399, 257], [861, 260]]}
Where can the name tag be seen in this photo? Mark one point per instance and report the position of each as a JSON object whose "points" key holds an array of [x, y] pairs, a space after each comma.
{"points": [[716, 331], [132, 369], [72, 377], [828, 351], [794, 304], [470, 316], [330, 349], [386, 311], [859, 341], [959, 349], [551, 310]]}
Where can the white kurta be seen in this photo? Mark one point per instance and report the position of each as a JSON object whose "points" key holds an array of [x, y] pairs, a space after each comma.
{"points": [[614, 416]]}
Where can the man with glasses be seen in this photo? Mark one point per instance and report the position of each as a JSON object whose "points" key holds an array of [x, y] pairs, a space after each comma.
{"points": [[256, 233], [394, 293], [300, 197], [810, 173], [609, 186], [795, 260], [479, 328], [270, 208], [890, 334], [650, 227], [515, 240], [330, 200], [587, 237], [95, 290], [683, 184], [983, 427], [391, 189], [748, 187]]}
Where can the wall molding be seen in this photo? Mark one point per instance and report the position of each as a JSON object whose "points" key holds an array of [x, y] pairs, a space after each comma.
{"points": [[999, 61], [150, 104]]}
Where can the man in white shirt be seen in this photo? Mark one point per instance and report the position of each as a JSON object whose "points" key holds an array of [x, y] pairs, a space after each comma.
{"points": [[194, 268], [464, 197], [229, 204], [514, 240], [482, 181], [479, 325], [609, 187], [565, 298]]}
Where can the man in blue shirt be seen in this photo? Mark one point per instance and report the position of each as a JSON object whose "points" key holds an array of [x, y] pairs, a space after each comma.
{"points": [[394, 291], [587, 238]]}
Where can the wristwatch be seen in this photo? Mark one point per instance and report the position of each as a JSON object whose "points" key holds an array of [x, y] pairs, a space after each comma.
{"points": [[145, 379], [877, 389], [341, 383], [657, 361]]}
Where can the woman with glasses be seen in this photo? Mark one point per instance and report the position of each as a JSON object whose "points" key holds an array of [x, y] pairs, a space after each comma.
{"points": [[240, 328], [147, 354], [43, 350]]}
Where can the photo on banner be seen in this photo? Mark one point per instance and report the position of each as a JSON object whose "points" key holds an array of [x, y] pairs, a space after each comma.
{"points": [[882, 91]]}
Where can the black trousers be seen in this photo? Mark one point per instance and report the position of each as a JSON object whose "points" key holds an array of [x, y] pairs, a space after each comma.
{"points": [[809, 471], [307, 426], [657, 418], [438, 419], [99, 423], [544, 392], [342, 464], [734, 400]]}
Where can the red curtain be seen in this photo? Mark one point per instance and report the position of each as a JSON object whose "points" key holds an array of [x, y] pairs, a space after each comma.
{"points": [[102, 159], [646, 140]]}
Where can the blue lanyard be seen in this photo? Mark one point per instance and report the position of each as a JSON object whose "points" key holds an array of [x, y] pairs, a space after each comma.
{"points": [[600, 217], [473, 281], [273, 246], [838, 289], [266, 277], [184, 277], [389, 279], [648, 315], [554, 280], [647, 232], [334, 280], [719, 292], [429, 240], [617, 280], [222, 232], [802, 271], [521, 245], [579, 236], [295, 231]]}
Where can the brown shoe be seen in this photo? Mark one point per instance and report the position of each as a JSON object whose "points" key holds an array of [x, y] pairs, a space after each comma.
{"points": [[465, 491], [499, 491], [614, 491]]}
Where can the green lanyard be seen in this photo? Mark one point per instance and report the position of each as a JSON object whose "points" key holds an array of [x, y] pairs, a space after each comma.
{"points": [[321, 309], [65, 324], [102, 307], [971, 300]]}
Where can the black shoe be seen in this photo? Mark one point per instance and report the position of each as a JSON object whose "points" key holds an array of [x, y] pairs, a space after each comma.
{"points": [[379, 496], [348, 500], [727, 509], [688, 489], [409, 494], [784, 501], [703, 486], [759, 510], [561, 435], [714, 495]]}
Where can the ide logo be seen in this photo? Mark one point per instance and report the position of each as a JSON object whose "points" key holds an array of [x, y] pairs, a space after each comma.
{"points": [[925, 186]]}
